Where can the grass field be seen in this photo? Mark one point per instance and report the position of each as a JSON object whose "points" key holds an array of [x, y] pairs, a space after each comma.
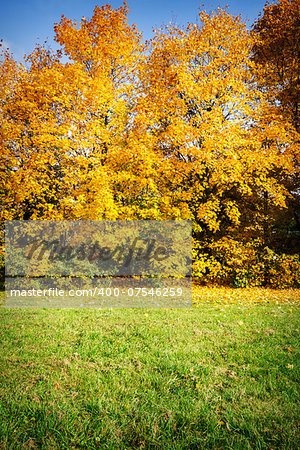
{"points": [[221, 375]]}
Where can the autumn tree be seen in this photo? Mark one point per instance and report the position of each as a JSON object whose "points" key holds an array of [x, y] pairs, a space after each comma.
{"points": [[66, 123], [276, 52], [190, 125], [107, 53], [210, 124]]}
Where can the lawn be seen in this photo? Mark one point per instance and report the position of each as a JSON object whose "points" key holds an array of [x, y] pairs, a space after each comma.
{"points": [[220, 375]]}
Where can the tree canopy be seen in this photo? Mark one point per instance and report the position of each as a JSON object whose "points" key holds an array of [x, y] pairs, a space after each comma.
{"points": [[201, 122]]}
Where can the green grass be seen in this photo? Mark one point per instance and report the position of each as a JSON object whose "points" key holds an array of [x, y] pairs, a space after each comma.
{"points": [[214, 376]]}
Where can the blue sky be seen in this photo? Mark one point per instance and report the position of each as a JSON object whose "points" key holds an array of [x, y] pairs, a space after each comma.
{"points": [[23, 23]]}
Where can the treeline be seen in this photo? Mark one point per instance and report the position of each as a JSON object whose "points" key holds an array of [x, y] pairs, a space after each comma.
{"points": [[198, 123]]}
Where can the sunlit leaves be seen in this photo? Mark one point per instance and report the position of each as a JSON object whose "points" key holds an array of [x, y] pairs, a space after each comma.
{"points": [[198, 123]]}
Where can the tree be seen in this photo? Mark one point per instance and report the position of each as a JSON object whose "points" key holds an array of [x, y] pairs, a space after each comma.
{"points": [[190, 125], [204, 112], [65, 123], [276, 52]]}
